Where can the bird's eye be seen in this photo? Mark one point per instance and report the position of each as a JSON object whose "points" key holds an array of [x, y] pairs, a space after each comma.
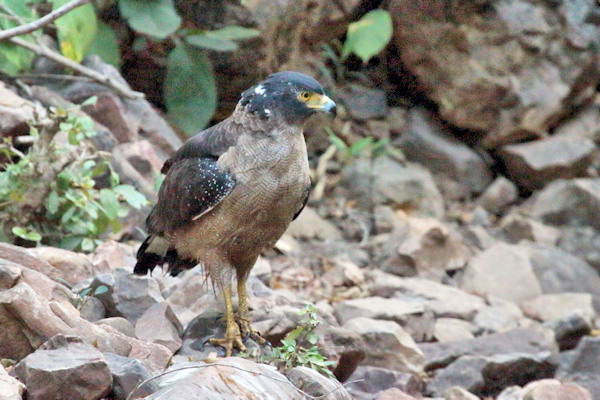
{"points": [[304, 96]]}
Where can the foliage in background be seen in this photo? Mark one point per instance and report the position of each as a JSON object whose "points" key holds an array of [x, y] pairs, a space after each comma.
{"points": [[369, 35], [74, 212], [364, 147], [292, 352]]}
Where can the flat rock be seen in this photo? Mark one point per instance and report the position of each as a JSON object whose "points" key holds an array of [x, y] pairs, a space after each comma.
{"points": [[377, 308], [75, 267], [582, 242], [504, 271], [426, 141], [574, 202], [310, 225], [120, 324], [387, 345], [582, 367], [407, 186], [546, 389], [311, 382], [550, 307], [523, 341], [10, 388], [368, 381], [159, 324], [112, 255], [499, 195], [67, 368], [443, 300], [534, 164], [498, 316], [451, 329], [24, 257]]}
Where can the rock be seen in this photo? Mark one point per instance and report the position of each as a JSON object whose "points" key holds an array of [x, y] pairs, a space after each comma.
{"points": [[489, 375], [546, 389], [426, 141], [403, 186], [121, 325], [65, 368], [551, 307], [130, 175], [499, 316], [367, 381], [10, 388], [227, 378], [110, 111], [314, 384], [393, 394], [159, 324], [522, 341], [134, 294], [15, 113], [387, 345], [560, 272], [310, 225], [450, 329], [582, 242], [569, 330], [582, 367], [458, 393], [512, 77], [503, 271], [574, 202], [75, 267], [443, 300], [518, 227], [363, 103], [127, 373], [344, 273], [432, 248], [376, 308], [23, 257], [498, 196], [112, 255], [142, 157], [92, 309], [534, 164], [583, 124]]}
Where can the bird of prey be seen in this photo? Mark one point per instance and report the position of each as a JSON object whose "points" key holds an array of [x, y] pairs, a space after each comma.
{"points": [[233, 189]]}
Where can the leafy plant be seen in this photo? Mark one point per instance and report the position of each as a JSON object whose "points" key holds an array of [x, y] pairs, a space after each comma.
{"points": [[292, 352], [85, 294], [365, 146], [369, 35], [69, 210]]}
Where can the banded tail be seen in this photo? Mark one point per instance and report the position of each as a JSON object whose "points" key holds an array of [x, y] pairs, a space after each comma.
{"points": [[157, 251]]}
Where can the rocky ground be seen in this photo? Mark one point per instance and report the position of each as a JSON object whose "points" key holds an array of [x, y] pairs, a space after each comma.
{"points": [[460, 263]]}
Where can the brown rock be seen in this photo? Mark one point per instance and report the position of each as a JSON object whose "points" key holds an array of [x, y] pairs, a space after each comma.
{"points": [[310, 225], [120, 324], [159, 324], [368, 380], [65, 368], [22, 256], [547, 389], [110, 111], [311, 382], [532, 165], [15, 113], [387, 345], [517, 227], [498, 196], [394, 394], [75, 267], [111, 255]]}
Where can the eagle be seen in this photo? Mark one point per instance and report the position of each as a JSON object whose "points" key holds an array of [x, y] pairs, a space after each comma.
{"points": [[232, 190]]}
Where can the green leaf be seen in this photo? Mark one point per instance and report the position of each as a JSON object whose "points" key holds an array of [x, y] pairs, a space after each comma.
{"points": [[190, 88], [234, 32], [369, 35], [15, 59], [204, 41], [106, 45], [360, 145], [90, 101], [52, 202], [134, 198], [87, 244], [338, 142], [109, 202], [21, 232], [157, 18], [293, 335], [312, 337], [76, 30], [101, 289]]}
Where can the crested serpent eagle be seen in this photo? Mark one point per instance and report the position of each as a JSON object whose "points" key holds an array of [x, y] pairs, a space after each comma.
{"points": [[233, 189]]}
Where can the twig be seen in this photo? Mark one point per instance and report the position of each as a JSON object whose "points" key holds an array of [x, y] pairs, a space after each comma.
{"points": [[321, 172], [59, 77], [45, 20], [90, 73]]}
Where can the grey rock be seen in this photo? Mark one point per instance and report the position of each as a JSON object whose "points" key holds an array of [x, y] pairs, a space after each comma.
{"points": [[499, 316], [311, 382], [582, 366], [489, 375], [393, 394], [111, 255], [343, 346], [517, 227], [65, 368], [512, 77], [363, 103], [504, 271], [127, 374], [10, 388], [159, 324], [569, 330], [458, 393], [120, 324], [426, 141], [499, 195], [546, 389], [407, 186], [92, 309], [310, 225], [533, 165], [451, 329], [582, 242], [574, 202], [522, 341], [550, 307], [377, 308], [134, 294], [367, 381], [387, 345]]}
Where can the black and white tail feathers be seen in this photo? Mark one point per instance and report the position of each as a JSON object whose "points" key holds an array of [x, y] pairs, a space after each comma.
{"points": [[157, 251]]}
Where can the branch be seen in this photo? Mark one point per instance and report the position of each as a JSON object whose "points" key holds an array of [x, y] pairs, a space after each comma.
{"points": [[45, 20], [90, 73]]}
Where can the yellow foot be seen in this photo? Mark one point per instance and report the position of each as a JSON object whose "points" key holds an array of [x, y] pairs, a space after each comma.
{"points": [[248, 331], [232, 339]]}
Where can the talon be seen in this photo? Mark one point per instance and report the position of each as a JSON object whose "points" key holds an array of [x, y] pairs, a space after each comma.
{"points": [[248, 332]]}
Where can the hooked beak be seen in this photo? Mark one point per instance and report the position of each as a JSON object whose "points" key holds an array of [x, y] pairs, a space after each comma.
{"points": [[323, 103]]}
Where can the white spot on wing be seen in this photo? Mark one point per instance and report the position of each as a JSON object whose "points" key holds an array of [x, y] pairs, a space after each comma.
{"points": [[260, 89], [267, 111]]}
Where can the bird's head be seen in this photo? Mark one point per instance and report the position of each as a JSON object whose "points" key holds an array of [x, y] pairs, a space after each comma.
{"points": [[289, 95]]}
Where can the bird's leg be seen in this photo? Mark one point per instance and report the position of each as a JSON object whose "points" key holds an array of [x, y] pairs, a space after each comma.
{"points": [[232, 334], [244, 314]]}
